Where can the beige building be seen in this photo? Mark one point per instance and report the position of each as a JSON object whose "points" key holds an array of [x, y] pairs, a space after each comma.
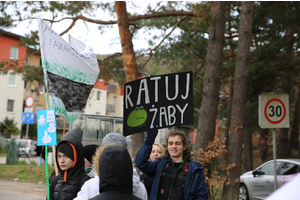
{"points": [[105, 99], [11, 101], [35, 89]]}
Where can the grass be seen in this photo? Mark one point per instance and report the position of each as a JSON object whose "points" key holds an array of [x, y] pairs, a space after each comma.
{"points": [[3, 152], [25, 172]]}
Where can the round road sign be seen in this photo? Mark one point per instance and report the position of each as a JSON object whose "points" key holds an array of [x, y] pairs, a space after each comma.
{"points": [[275, 111], [29, 101]]}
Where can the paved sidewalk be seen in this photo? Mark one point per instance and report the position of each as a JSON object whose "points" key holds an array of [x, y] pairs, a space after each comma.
{"points": [[9, 195], [15, 190]]}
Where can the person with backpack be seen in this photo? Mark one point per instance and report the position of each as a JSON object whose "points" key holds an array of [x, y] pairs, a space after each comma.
{"points": [[70, 162]]}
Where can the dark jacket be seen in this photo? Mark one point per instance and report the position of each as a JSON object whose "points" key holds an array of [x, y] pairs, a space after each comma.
{"points": [[115, 169], [40, 151], [66, 185], [147, 181], [195, 185]]}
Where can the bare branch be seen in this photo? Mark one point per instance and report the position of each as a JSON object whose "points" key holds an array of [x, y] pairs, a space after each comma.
{"points": [[71, 25], [167, 14], [131, 19], [230, 56], [231, 36], [116, 55], [199, 68]]}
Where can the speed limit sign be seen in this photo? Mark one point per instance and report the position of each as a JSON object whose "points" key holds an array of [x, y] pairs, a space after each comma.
{"points": [[274, 110]]}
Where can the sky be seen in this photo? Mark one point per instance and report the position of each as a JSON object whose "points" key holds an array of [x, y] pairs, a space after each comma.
{"points": [[107, 42]]}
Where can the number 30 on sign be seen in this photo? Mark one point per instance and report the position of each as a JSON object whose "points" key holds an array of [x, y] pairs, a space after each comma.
{"points": [[274, 110]]}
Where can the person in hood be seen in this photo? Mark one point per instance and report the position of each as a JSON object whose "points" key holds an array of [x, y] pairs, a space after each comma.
{"points": [[70, 162], [91, 189], [115, 170], [76, 133]]}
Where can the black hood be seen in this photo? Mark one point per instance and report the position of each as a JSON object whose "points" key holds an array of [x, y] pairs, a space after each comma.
{"points": [[78, 168], [115, 167]]}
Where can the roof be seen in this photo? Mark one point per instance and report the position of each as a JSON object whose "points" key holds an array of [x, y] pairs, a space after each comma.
{"points": [[3, 32]]}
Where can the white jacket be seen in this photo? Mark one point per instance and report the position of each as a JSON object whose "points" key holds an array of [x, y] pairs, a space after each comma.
{"points": [[91, 188]]}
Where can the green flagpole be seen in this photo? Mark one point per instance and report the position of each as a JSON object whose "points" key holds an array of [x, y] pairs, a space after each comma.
{"points": [[47, 175]]}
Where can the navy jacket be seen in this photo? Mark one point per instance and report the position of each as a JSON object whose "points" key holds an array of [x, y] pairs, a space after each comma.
{"points": [[195, 185]]}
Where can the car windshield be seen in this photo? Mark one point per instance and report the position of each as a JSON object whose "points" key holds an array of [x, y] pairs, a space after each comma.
{"points": [[21, 144]]}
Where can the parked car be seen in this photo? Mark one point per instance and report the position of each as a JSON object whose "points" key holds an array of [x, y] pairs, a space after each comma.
{"points": [[259, 183], [26, 146]]}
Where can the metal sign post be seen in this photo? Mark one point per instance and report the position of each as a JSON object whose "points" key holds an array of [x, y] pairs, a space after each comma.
{"points": [[27, 118], [274, 113]]}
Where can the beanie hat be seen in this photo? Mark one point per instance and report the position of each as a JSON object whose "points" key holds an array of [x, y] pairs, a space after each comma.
{"points": [[89, 151], [117, 138], [75, 133], [66, 149]]}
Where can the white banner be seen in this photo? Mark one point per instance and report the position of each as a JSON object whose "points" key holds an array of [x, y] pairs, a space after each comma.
{"points": [[70, 72]]}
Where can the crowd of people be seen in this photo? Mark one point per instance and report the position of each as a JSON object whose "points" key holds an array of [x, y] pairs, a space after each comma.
{"points": [[107, 172]]}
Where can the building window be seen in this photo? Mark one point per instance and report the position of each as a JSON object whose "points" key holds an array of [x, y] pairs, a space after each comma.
{"points": [[10, 105], [14, 52], [115, 100], [41, 89], [98, 96], [12, 79], [39, 107], [25, 85]]}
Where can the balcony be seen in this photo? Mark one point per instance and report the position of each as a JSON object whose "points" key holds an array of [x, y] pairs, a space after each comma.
{"points": [[60, 124], [112, 88], [110, 108]]}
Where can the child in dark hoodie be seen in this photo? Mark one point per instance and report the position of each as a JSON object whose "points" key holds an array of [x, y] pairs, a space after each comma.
{"points": [[70, 162], [115, 170]]}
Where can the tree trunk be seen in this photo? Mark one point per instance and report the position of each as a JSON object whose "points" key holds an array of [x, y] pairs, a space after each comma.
{"points": [[295, 127], [247, 152], [235, 142], [128, 60], [211, 85], [283, 137], [229, 104], [263, 144]]}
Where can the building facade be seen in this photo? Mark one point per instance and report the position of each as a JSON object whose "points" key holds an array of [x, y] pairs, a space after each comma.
{"points": [[11, 84]]}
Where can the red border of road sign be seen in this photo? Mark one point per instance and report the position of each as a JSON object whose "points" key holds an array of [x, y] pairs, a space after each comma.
{"points": [[32, 101], [284, 111]]}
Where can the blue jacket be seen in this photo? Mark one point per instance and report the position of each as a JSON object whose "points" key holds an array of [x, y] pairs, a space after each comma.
{"points": [[195, 185]]}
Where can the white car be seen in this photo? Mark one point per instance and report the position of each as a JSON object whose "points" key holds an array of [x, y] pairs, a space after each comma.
{"points": [[259, 183], [26, 146]]}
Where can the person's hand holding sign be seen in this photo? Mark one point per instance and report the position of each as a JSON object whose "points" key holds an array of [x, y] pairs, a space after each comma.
{"points": [[151, 135]]}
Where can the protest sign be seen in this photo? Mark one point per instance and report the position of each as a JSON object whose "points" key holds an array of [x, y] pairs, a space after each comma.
{"points": [[162, 101], [70, 72], [46, 127]]}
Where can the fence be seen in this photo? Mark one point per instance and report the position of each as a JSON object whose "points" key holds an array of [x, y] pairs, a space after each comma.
{"points": [[95, 127]]}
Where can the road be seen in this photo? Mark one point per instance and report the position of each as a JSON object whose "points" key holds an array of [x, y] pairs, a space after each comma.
{"points": [[11, 190]]}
